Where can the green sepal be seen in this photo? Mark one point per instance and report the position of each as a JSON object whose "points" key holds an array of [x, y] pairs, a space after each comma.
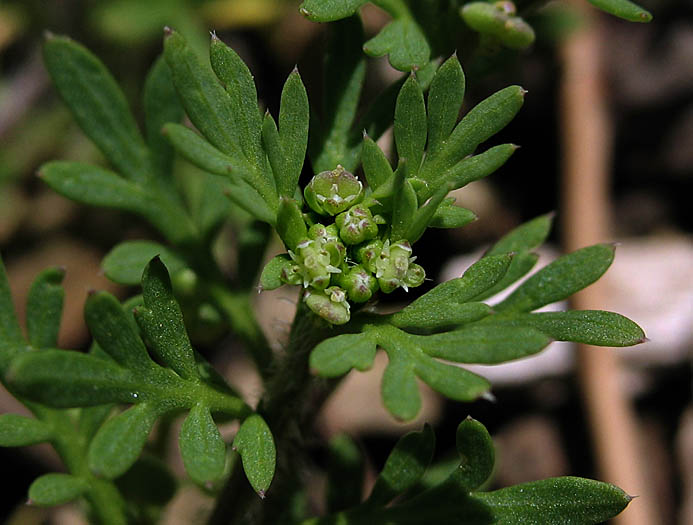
{"points": [[56, 489], [560, 279], [403, 41], [119, 442], [98, 105], [22, 431], [115, 332], [66, 379], [623, 9], [410, 124], [376, 167], [475, 447], [567, 500], [444, 102], [592, 327], [161, 321], [335, 356], [270, 279], [329, 10], [255, 444], [161, 105], [345, 473], [448, 215], [125, 263], [290, 224], [44, 308], [294, 116], [404, 466], [201, 447]]}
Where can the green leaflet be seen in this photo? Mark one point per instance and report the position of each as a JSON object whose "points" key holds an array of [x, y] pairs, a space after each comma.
{"points": [[623, 9], [560, 279], [119, 442], [404, 466], [201, 447], [404, 203], [255, 445], [444, 102], [398, 388], [424, 215], [21, 431], [376, 167], [329, 10], [125, 263], [162, 321], [290, 224], [475, 447], [44, 308], [440, 317], [56, 489], [97, 105], [450, 216], [201, 153], [294, 116], [403, 41], [410, 124], [270, 279], [335, 356]]}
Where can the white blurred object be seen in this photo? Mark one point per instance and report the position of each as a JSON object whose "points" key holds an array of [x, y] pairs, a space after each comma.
{"points": [[650, 282]]}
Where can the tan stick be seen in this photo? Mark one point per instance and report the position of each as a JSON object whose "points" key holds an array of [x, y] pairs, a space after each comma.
{"points": [[586, 135]]}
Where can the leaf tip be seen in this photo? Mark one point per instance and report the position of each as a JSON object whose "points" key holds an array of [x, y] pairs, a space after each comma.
{"points": [[487, 396], [261, 493], [643, 339], [294, 71]]}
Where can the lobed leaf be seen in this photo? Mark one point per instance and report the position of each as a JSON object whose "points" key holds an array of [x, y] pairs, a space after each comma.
{"points": [[56, 489], [404, 466], [201, 446], [444, 102], [44, 308], [98, 105], [255, 445], [125, 263], [560, 279], [403, 41], [410, 124], [21, 431], [119, 442]]}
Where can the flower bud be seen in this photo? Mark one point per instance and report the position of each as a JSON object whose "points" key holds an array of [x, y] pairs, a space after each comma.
{"points": [[330, 304], [315, 262], [368, 254], [332, 192], [356, 225], [394, 268], [359, 284]]}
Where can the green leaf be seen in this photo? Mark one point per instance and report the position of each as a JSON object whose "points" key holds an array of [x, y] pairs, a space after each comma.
{"points": [[399, 389], [475, 447], [424, 215], [201, 447], [592, 327], [290, 224], [345, 471], [485, 343], [120, 441], [345, 70], [404, 42], [404, 203], [497, 25], [623, 9], [125, 263], [450, 216], [201, 153], [404, 466], [65, 379], [527, 236], [21, 431], [565, 500], [329, 10], [445, 304], [294, 116], [161, 105], [97, 105], [337, 355], [376, 167], [239, 84], [56, 489], [99, 187], [116, 332], [452, 381], [560, 279], [162, 321], [270, 279], [482, 122], [410, 124], [522, 263], [44, 308], [255, 445], [247, 198], [444, 102]]}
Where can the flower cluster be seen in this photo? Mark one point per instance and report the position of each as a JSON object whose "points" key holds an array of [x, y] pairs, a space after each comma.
{"points": [[347, 255]]}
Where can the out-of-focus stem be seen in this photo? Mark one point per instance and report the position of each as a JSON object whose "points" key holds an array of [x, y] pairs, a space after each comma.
{"points": [[585, 206]]}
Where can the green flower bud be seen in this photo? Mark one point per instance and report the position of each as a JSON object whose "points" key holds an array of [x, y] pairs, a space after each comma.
{"points": [[356, 225], [330, 304], [314, 258], [368, 254], [328, 238], [332, 192], [394, 268], [359, 284], [415, 275]]}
